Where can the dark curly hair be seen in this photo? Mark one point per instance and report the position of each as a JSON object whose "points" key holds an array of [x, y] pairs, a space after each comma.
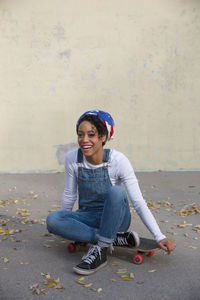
{"points": [[101, 128]]}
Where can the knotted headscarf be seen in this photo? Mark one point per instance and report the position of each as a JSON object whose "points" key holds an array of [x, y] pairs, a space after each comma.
{"points": [[104, 117]]}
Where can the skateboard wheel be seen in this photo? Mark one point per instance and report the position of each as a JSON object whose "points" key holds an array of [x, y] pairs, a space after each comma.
{"points": [[71, 247], [151, 253], [137, 259], [84, 244]]}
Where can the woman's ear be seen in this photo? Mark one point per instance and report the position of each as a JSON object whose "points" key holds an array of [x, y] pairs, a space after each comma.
{"points": [[104, 138]]}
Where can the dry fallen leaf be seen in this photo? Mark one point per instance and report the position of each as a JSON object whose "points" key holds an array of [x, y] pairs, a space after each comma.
{"points": [[164, 221], [47, 246], [196, 228], [165, 204], [50, 282], [51, 285], [152, 271], [140, 282], [88, 285], [153, 186], [14, 201], [45, 234], [36, 292], [34, 286], [153, 206], [180, 226], [35, 221], [1, 230], [60, 287], [24, 263], [47, 275], [184, 225], [189, 210], [192, 247], [25, 214], [81, 278], [80, 282], [125, 277], [116, 263]]}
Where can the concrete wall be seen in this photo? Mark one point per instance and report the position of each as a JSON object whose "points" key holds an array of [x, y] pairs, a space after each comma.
{"points": [[138, 60]]}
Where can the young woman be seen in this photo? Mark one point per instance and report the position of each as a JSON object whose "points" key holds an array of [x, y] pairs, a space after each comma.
{"points": [[103, 217]]}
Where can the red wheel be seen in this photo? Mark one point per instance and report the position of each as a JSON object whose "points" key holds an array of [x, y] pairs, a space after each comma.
{"points": [[151, 253], [137, 259], [71, 247], [84, 244]]}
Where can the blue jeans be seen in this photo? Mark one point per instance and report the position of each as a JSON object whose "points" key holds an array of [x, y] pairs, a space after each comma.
{"points": [[88, 225]]}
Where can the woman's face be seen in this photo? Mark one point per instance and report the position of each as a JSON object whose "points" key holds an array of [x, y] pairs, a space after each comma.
{"points": [[89, 140]]}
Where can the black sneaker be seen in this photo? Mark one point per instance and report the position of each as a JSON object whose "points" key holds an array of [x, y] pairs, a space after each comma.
{"points": [[95, 259], [128, 239]]}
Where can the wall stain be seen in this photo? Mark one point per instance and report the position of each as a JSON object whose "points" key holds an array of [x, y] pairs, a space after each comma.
{"points": [[59, 33], [66, 53], [62, 150]]}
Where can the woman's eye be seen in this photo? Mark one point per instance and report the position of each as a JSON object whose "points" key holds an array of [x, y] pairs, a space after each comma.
{"points": [[90, 135]]}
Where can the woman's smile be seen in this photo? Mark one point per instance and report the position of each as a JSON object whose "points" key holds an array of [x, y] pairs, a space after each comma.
{"points": [[85, 148], [90, 142]]}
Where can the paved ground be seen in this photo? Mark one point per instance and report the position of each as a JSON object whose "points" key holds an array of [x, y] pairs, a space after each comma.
{"points": [[29, 258]]}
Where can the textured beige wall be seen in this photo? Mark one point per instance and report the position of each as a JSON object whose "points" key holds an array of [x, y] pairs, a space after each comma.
{"points": [[139, 60]]}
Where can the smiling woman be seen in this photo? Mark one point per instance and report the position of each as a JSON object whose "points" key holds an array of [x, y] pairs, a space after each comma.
{"points": [[91, 142], [103, 217]]}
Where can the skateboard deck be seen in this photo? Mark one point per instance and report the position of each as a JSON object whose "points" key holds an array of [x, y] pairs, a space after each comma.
{"points": [[147, 247]]}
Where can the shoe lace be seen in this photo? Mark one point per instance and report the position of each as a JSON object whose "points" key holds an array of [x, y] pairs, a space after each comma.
{"points": [[92, 254], [121, 241]]}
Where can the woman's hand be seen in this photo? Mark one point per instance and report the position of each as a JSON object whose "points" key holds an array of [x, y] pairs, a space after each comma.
{"points": [[167, 244]]}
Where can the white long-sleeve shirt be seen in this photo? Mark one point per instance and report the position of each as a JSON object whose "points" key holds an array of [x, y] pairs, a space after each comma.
{"points": [[120, 172]]}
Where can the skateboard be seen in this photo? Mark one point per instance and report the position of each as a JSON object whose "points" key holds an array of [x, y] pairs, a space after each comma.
{"points": [[147, 248]]}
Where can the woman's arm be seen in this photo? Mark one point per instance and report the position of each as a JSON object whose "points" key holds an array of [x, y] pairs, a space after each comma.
{"points": [[129, 179], [70, 192]]}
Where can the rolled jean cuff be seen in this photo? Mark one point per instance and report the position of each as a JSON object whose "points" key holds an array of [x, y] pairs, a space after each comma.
{"points": [[104, 239]]}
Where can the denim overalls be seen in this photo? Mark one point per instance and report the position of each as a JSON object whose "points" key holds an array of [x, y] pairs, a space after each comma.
{"points": [[103, 208], [93, 183]]}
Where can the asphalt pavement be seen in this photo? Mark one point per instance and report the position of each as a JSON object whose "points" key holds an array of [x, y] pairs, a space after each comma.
{"points": [[36, 265]]}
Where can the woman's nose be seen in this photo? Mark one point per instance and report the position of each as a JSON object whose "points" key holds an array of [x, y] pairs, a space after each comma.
{"points": [[85, 138]]}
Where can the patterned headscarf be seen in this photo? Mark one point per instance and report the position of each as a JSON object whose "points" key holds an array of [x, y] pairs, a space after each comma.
{"points": [[103, 117]]}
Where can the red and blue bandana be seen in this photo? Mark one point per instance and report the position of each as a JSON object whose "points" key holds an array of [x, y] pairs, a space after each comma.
{"points": [[103, 117]]}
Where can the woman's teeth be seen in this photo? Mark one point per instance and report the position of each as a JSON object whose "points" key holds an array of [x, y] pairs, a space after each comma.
{"points": [[87, 147]]}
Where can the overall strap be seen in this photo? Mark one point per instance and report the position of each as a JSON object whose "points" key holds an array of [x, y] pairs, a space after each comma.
{"points": [[106, 155], [79, 156], [80, 159]]}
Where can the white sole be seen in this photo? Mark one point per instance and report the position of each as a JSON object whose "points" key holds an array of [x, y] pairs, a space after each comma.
{"points": [[88, 272], [136, 237]]}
